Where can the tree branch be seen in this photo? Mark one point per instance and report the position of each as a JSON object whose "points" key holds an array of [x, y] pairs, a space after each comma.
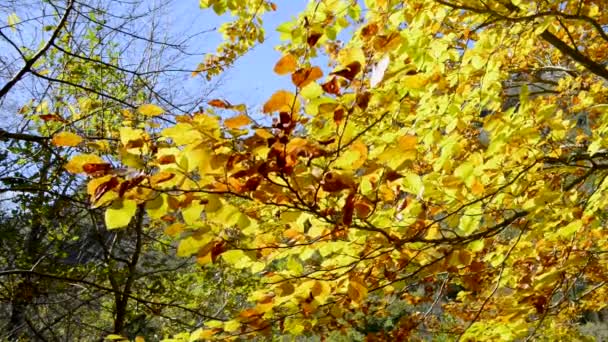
{"points": [[30, 62]]}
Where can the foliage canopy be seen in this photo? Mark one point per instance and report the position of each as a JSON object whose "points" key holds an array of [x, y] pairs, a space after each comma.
{"points": [[438, 167]]}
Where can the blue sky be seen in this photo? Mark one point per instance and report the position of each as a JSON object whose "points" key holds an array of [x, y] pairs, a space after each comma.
{"points": [[251, 80]]}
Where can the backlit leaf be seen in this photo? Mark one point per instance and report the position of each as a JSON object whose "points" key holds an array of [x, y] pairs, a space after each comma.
{"points": [[286, 64], [120, 213], [150, 110], [66, 139]]}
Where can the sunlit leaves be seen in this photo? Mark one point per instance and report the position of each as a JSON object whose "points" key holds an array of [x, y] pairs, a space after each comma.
{"points": [[410, 170]]}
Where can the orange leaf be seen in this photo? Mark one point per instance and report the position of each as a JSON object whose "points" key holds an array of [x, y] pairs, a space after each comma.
{"points": [[166, 159], [286, 64], [302, 77], [237, 121], [219, 103], [161, 177], [281, 101], [66, 139], [477, 187], [407, 142]]}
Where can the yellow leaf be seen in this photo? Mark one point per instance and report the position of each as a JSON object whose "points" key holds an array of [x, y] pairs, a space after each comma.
{"points": [[262, 133], [237, 121], [175, 229], [357, 291], [477, 187], [139, 339], [407, 142], [75, 164], [281, 101], [286, 64], [150, 110], [232, 325], [128, 134], [66, 139], [13, 20], [119, 214], [192, 244]]}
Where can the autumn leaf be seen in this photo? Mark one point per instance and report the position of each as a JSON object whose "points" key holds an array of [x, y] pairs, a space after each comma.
{"points": [[75, 165], [94, 168], [219, 104], [357, 291], [120, 213], [66, 139], [313, 38], [281, 101], [302, 77], [51, 117], [286, 64], [150, 110], [332, 86], [237, 121], [349, 71]]}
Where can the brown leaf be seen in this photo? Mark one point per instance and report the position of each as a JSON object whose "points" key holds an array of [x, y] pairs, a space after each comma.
{"points": [[363, 207], [52, 117], [313, 38], [369, 31], [363, 100], [350, 71], [103, 188], [332, 86], [303, 77], [286, 64], [338, 115], [129, 184], [96, 167], [334, 182], [348, 209]]}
